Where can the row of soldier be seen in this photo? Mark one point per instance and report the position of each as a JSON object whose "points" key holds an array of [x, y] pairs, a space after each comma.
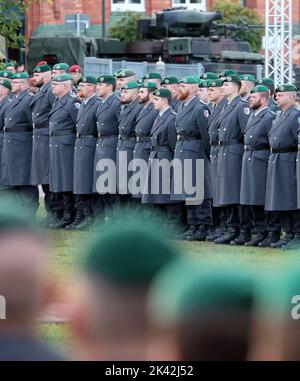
{"points": [[248, 146]]}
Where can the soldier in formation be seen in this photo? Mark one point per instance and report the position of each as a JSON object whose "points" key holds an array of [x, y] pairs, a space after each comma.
{"points": [[81, 138]]}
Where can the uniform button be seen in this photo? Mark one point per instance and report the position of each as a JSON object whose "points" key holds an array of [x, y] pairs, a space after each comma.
{"points": [[224, 129], [56, 145], [250, 136], [224, 154], [249, 158], [97, 145], [274, 137]]}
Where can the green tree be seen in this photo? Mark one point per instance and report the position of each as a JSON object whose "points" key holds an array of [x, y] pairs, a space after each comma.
{"points": [[126, 29], [235, 13], [11, 22]]}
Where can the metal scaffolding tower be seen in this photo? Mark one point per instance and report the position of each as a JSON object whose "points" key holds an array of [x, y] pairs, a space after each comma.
{"points": [[278, 41]]}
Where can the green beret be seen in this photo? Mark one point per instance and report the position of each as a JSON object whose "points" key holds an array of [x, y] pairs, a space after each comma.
{"points": [[209, 75], [6, 74], [265, 82], [203, 83], [110, 79], [89, 79], [190, 79], [62, 77], [128, 253], [61, 66], [285, 88], [227, 72], [215, 83], [162, 93], [152, 76], [149, 85], [22, 75], [42, 69], [247, 77], [232, 78], [259, 89], [124, 73], [8, 64], [5, 83], [171, 80], [186, 289], [130, 85]]}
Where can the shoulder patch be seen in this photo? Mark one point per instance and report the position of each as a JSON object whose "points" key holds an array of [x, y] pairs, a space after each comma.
{"points": [[206, 113], [247, 110], [73, 95]]}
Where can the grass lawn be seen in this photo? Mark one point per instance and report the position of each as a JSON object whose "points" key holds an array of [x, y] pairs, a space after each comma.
{"points": [[69, 247]]}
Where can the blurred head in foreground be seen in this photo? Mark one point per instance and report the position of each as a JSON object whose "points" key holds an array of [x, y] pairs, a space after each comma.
{"points": [[25, 284], [200, 313], [119, 269]]}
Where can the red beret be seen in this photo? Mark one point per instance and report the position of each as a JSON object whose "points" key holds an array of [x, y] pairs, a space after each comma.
{"points": [[42, 63], [75, 69]]}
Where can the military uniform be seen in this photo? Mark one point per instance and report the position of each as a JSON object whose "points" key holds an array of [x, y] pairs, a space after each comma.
{"points": [[40, 106], [126, 144], [234, 118], [193, 143], [163, 141], [273, 105], [63, 116], [281, 190], [4, 104], [86, 139], [17, 149], [254, 170], [107, 116], [175, 103], [144, 124], [213, 131]]}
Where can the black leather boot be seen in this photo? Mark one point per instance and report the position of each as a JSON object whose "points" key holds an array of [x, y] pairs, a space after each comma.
{"points": [[257, 239], [199, 234], [77, 220], [55, 217], [271, 238], [230, 235], [189, 231], [283, 242], [67, 219], [85, 223], [245, 236]]}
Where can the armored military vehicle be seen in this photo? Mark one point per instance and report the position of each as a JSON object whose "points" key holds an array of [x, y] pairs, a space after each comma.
{"points": [[177, 35]]}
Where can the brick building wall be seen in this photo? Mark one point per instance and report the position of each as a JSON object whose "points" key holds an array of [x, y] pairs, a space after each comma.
{"points": [[49, 17]]}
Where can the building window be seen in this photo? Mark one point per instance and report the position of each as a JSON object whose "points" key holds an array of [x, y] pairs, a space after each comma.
{"points": [[199, 5], [128, 5]]}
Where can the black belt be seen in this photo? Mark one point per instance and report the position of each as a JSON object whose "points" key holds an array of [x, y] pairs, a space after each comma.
{"points": [[124, 137], [79, 135], [17, 129], [143, 139], [230, 142], [214, 143], [100, 136], [284, 150], [39, 126], [62, 133], [182, 137], [263, 147]]}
